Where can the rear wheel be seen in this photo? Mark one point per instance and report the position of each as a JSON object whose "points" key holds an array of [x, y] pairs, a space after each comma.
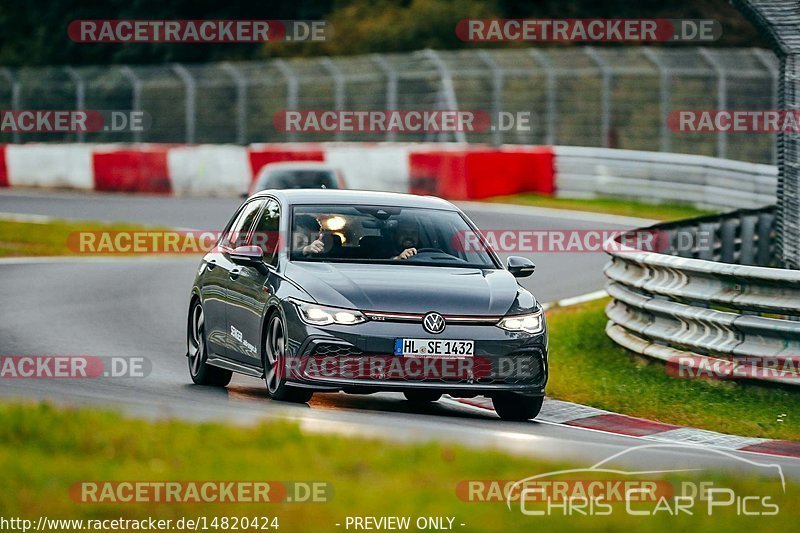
{"points": [[201, 372], [517, 406], [274, 352], [422, 396]]}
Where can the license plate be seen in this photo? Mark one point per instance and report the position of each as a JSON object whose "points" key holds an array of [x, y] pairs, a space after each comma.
{"points": [[433, 348]]}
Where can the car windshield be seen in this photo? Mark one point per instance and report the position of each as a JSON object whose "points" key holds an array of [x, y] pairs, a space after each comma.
{"points": [[381, 234], [299, 179]]}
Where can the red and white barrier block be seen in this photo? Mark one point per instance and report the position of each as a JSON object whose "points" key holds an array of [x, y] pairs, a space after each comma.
{"points": [[455, 171]]}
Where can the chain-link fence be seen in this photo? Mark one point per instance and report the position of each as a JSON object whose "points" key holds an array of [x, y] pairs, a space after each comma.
{"points": [[589, 96]]}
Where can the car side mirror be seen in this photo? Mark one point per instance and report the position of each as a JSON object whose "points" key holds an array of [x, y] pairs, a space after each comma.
{"points": [[520, 267], [247, 256]]}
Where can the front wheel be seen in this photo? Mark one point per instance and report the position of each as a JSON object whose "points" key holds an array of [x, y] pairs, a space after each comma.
{"points": [[517, 406], [274, 353], [200, 371]]}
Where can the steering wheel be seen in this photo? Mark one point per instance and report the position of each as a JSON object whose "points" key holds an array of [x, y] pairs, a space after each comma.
{"points": [[430, 251]]}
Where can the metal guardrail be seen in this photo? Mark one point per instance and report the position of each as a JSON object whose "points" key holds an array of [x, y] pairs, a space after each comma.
{"points": [[685, 303], [706, 182], [615, 97]]}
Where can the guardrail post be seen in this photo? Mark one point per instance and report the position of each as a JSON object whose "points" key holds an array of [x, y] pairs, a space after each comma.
{"points": [[497, 94], [291, 89], [551, 104], [448, 90], [241, 101], [722, 97], [15, 93], [339, 88], [136, 96], [764, 58], [80, 96], [747, 236], [391, 89], [665, 96], [765, 225], [191, 102], [605, 97]]}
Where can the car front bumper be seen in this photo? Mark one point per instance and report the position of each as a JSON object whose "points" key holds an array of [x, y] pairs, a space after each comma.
{"points": [[503, 361]]}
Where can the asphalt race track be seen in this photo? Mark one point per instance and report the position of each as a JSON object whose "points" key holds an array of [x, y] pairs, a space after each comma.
{"points": [[137, 307]]}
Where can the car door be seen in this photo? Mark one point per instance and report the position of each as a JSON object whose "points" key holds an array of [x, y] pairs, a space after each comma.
{"points": [[249, 287], [217, 278]]}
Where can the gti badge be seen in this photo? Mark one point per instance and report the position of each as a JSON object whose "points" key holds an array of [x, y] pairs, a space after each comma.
{"points": [[433, 323]]}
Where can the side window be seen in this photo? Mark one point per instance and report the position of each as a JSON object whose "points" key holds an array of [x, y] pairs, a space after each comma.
{"points": [[267, 232], [237, 234]]}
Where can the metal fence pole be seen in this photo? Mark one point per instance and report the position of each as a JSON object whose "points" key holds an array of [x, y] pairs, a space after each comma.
{"points": [[498, 81], [764, 58], [665, 96], [339, 88], [80, 97], [605, 95], [15, 93], [722, 97], [191, 100], [136, 96], [291, 89], [391, 89], [241, 101], [448, 90], [551, 102]]}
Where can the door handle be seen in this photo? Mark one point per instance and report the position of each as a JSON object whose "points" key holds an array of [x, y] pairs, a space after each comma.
{"points": [[235, 273]]}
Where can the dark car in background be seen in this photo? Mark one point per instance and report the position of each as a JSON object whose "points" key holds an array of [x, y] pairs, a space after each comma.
{"points": [[297, 175], [378, 286]]}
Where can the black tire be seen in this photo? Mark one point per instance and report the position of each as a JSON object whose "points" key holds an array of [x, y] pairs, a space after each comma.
{"points": [[201, 372], [273, 351], [422, 396], [517, 406]]}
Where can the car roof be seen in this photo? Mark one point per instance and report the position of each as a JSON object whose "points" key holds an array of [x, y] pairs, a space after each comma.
{"points": [[350, 196]]}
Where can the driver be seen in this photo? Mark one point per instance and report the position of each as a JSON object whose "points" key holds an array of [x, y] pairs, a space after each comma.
{"points": [[406, 239], [309, 231]]}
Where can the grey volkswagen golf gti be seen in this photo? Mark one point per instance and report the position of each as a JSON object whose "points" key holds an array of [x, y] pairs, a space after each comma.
{"points": [[361, 292]]}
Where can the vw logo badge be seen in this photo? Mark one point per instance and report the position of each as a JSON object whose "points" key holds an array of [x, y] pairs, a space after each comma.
{"points": [[433, 323]]}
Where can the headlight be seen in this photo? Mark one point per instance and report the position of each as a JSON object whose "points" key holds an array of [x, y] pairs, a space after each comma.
{"points": [[532, 323], [320, 315]]}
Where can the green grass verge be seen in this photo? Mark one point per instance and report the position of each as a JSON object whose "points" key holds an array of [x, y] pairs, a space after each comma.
{"points": [[589, 368], [614, 206], [53, 238], [44, 451]]}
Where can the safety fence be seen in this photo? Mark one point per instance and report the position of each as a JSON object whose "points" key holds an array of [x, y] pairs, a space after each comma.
{"points": [[613, 97], [713, 309]]}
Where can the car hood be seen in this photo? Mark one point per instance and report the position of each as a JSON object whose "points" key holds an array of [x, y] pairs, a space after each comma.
{"points": [[407, 288]]}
